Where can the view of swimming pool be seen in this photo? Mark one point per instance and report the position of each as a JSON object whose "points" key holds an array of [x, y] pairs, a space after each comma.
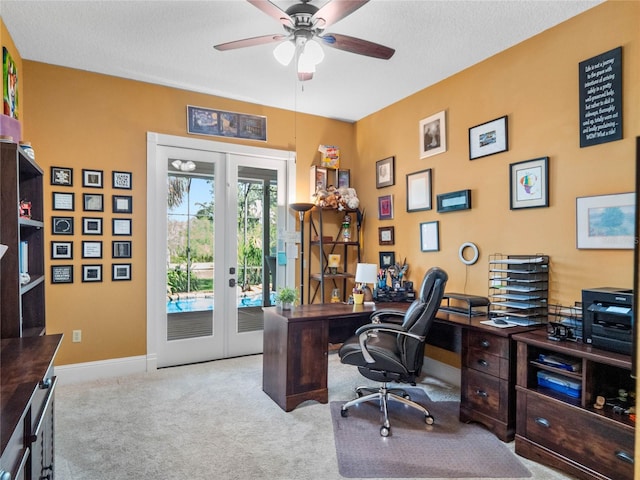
{"points": [[206, 303]]}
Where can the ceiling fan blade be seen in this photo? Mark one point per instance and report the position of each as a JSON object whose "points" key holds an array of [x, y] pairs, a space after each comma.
{"points": [[334, 11], [250, 42], [273, 11], [357, 45]]}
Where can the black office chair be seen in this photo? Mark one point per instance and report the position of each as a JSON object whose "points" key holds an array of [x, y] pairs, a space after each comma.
{"points": [[391, 352]]}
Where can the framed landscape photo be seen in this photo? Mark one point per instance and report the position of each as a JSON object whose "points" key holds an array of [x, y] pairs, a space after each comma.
{"points": [[121, 226], [121, 271], [92, 178], [93, 202], [419, 191], [61, 250], [429, 237], [385, 207], [122, 204], [121, 180], [91, 249], [62, 274], [488, 138], [606, 221], [61, 176], [387, 259], [385, 172], [453, 201], [91, 226], [63, 201], [386, 235], [121, 249], [91, 273], [62, 225], [433, 135], [529, 183]]}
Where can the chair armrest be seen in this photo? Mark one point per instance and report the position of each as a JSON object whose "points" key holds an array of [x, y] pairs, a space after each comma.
{"points": [[366, 330], [387, 313]]}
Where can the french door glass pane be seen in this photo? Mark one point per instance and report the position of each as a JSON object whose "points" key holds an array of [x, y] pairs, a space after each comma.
{"points": [[190, 252]]}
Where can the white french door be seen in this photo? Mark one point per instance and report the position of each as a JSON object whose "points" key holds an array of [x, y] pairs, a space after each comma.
{"points": [[215, 211]]}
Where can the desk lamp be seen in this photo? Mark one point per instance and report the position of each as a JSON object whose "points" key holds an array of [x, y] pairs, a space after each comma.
{"points": [[301, 208], [367, 273]]}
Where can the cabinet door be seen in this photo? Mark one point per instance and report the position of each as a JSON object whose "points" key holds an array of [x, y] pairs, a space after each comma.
{"points": [[308, 365], [42, 432]]}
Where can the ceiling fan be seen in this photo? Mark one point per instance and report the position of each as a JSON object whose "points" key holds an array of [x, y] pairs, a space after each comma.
{"points": [[304, 26]]}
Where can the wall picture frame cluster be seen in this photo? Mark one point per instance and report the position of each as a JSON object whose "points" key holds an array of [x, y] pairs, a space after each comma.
{"points": [[91, 225]]}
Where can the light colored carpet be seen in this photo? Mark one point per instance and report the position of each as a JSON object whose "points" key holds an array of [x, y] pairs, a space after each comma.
{"points": [[446, 449], [206, 421]]}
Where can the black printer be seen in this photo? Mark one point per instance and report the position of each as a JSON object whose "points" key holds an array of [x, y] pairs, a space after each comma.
{"points": [[607, 318]]}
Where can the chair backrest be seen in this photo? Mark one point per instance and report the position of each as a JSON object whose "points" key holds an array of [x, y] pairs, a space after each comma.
{"points": [[420, 316]]}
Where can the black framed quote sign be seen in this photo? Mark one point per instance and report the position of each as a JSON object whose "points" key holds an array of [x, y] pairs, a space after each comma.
{"points": [[601, 98]]}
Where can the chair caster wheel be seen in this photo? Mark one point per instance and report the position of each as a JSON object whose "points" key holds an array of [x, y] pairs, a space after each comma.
{"points": [[407, 396], [344, 412], [429, 420], [385, 431]]}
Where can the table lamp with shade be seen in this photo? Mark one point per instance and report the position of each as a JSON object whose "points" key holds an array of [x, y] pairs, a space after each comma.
{"points": [[301, 208], [366, 273]]}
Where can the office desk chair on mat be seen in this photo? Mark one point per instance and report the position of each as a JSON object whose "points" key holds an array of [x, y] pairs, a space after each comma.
{"points": [[392, 352]]}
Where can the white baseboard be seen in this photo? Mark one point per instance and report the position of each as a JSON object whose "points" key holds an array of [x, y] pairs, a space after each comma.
{"points": [[116, 367], [441, 371]]}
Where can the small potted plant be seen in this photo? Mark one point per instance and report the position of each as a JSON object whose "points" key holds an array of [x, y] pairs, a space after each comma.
{"points": [[286, 297]]}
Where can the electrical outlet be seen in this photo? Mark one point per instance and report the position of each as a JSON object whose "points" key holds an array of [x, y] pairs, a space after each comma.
{"points": [[77, 336]]}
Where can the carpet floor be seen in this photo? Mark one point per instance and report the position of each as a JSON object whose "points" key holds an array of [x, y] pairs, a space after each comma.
{"points": [[446, 449], [207, 421]]}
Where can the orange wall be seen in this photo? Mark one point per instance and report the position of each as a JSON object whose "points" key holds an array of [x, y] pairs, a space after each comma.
{"points": [[536, 84], [84, 120]]}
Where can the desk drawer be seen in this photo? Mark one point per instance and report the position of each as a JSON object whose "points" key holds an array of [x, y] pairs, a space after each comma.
{"points": [[607, 448], [486, 394], [488, 343], [479, 359]]}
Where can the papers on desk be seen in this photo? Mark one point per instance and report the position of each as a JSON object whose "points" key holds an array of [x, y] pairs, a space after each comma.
{"points": [[498, 325]]}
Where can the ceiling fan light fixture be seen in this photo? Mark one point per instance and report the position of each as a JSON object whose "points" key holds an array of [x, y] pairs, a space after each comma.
{"points": [[184, 166], [284, 52], [305, 64], [314, 51]]}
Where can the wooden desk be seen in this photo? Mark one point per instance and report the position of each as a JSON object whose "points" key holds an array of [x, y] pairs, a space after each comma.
{"points": [[295, 358]]}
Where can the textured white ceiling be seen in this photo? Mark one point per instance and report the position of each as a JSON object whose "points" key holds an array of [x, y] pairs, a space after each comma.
{"points": [[171, 43]]}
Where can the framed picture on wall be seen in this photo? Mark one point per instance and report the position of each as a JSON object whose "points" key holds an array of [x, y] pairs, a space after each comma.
{"points": [[387, 259], [62, 225], [63, 201], [91, 226], [61, 176], [433, 135], [121, 226], [529, 183], [419, 191], [61, 250], [429, 237], [91, 249], [122, 204], [385, 207], [385, 172], [121, 180], [606, 221], [92, 178], [121, 271], [91, 273], [488, 138], [344, 178], [62, 274], [386, 235], [93, 202], [121, 249]]}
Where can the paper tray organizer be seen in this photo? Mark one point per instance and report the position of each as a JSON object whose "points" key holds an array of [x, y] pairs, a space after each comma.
{"points": [[560, 384]]}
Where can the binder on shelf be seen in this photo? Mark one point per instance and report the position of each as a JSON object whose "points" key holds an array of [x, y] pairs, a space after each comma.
{"points": [[24, 257]]}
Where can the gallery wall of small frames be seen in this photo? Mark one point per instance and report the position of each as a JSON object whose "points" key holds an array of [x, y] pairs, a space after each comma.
{"points": [[94, 214]]}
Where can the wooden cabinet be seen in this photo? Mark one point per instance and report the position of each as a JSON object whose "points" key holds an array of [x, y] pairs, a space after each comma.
{"points": [[294, 358], [23, 308], [487, 393], [322, 277], [557, 422], [27, 388]]}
